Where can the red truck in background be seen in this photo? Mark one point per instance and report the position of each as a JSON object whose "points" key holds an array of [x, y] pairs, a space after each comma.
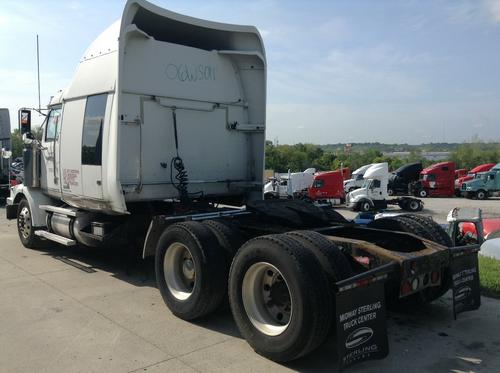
{"points": [[461, 172], [329, 186], [437, 180], [472, 173]]}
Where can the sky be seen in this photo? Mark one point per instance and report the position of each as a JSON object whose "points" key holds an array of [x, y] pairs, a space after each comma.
{"points": [[407, 71]]}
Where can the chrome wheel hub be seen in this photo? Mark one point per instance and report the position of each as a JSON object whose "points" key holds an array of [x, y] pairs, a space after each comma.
{"points": [[267, 299], [179, 271], [24, 222]]}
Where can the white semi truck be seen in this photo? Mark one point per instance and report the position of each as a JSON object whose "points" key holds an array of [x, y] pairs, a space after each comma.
{"points": [[163, 123], [373, 193], [356, 181], [289, 185]]}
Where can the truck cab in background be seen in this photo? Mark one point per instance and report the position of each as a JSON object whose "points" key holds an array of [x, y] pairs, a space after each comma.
{"points": [[356, 180], [373, 193], [289, 185], [484, 185], [329, 186], [437, 180], [400, 180], [470, 176]]}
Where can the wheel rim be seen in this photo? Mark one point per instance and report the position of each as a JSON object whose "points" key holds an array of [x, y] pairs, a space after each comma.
{"points": [[179, 271], [423, 193], [390, 192], [24, 222], [480, 195], [414, 205], [366, 206], [267, 299]]}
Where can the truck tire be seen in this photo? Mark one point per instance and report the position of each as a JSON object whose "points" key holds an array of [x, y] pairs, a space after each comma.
{"points": [[435, 231], [229, 237], [481, 194], [191, 271], [364, 205], [400, 224], [25, 227], [412, 205], [422, 193], [280, 297], [333, 261]]}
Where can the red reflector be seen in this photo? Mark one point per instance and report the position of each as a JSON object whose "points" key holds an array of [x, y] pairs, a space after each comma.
{"points": [[435, 276], [363, 282], [406, 288]]}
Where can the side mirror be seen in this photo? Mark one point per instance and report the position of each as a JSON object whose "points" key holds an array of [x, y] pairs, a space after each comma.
{"points": [[24, 121]]}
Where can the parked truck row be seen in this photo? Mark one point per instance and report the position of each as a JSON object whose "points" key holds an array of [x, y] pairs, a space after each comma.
{"points": [[157, 145]]}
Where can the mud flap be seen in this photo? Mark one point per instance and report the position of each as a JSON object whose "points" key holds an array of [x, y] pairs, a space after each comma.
{"points": [[464, 271], [11, 211], [361, 331]]}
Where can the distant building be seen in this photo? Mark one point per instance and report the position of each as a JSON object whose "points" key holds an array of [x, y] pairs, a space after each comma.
{"points": [[430, 156]]}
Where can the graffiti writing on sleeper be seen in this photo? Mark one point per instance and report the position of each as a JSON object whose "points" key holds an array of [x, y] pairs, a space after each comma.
{"points": [[190, 73]]}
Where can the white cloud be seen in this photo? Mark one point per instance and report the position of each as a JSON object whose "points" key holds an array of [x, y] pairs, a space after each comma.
{"points": [[494, 8]]}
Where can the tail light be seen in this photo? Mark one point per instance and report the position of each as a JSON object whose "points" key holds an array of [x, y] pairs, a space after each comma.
{"points": [[406, 288]]}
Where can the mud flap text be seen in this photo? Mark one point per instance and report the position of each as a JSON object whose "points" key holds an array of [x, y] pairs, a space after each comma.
{"points": [[361, 325], [465, 282]]}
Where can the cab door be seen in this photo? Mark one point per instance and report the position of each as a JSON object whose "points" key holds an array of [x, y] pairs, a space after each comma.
{"points": [[50, 178], [92, 144], [375, 190]]}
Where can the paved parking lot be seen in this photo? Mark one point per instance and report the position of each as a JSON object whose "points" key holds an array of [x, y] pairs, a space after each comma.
{"points": [[89, 315]]}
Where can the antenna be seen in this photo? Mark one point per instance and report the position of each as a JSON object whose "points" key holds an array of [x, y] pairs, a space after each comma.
{"points": [[38, 69]]}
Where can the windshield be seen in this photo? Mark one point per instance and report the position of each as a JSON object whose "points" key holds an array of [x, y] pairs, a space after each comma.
{"points": [[367, 183], [470, 174], [357, 176]]}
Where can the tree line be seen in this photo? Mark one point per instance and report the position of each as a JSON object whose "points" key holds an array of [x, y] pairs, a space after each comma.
{"points": [[298, 157]]}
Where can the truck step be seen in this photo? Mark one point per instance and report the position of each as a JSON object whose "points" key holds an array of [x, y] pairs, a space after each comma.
{"points": [[61, 210], [56, 238]]}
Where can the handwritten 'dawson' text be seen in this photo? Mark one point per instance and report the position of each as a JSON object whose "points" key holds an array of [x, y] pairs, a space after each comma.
{"points": [[190, 73]]}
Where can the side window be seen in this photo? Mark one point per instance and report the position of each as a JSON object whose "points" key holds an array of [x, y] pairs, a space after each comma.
{"points": [[318, 183], [445, 168], [52, 124], [376, 183], [92, 129], [492, 176]]}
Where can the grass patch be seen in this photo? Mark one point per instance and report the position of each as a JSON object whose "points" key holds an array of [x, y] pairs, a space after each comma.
{"points": [[489, 272]]}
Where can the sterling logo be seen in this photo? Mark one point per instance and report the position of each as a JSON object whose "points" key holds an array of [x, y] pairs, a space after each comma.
{"points": [[463, 293], [358, 337]]}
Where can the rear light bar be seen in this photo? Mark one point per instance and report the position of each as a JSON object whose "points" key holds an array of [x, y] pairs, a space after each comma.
{"points": [[417, 283]]}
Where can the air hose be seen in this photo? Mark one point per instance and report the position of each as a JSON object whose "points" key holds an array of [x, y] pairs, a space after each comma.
{"points": [[177, 164]]}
